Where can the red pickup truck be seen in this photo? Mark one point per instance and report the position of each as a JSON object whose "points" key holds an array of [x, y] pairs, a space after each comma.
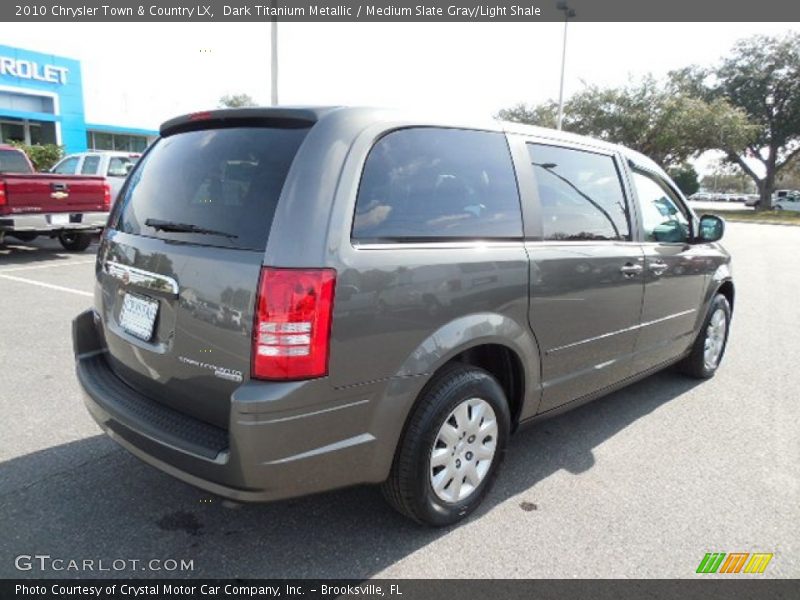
{"points": [[69, 207]]}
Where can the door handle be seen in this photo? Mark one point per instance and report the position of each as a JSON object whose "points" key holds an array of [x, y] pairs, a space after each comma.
{"points": [[630, 269], [658, 267]]}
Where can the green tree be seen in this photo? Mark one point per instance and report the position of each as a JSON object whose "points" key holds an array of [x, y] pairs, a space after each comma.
{"points": [[43, 156], [543, 115], [761, 77], [685, 177], [236, 101], [656, 118]]}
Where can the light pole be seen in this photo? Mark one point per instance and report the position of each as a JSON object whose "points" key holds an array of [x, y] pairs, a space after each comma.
{"points": [[568, 14], [274, 61]]}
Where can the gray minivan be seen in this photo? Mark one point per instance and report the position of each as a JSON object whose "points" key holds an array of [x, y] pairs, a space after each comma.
{"points": [[292, 300]]}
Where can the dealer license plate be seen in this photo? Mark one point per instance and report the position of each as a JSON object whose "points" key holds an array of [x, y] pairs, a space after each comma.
{"points": [[138, 316]]}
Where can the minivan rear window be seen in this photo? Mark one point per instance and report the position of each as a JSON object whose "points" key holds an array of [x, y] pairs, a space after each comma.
{"points": [[427, 183], [216, 187]]}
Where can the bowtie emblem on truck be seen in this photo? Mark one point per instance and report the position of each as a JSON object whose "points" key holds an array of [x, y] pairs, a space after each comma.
{"points": [[59, 190]]}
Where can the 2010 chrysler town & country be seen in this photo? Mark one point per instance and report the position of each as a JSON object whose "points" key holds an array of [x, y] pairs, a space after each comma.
{"points": [[292, 300]]}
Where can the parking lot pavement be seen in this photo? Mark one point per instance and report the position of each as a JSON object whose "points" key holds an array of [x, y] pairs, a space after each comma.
{"points": [[640, 484], [699, 207]]}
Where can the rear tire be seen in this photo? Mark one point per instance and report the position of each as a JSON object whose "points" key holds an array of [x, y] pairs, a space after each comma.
{"points": [[709, 347], [452, 447], [75, 242]]}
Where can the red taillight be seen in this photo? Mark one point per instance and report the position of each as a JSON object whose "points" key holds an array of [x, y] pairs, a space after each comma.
{"points": [[291, 334], [3, 200], [106, 197]]}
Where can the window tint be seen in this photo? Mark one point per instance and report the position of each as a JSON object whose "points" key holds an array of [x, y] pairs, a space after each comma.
{"points": [[117, 166], [580, 193], [90, 164], [12, 161], [662, 217], [428, 183], [67, 166], [226, 181]]}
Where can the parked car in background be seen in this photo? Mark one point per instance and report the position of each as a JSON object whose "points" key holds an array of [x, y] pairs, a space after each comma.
{"points": [[752, 200], [114, 166], [777, 196], [783, 194], [388, 298], [701, 197], [717, 197], [69, 207], [790, 201]]}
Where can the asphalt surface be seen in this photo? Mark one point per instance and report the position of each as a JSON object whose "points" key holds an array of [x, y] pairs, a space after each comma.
{"points": [[641, 483]]}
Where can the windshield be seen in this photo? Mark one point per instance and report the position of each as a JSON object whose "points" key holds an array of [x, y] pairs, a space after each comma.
{"points": [[13, 161], [213, 180]]}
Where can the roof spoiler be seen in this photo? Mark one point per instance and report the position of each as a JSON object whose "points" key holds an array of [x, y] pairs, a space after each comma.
{"points": [[235, 117]]}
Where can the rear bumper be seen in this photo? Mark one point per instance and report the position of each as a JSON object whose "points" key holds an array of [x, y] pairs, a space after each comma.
{"points": [[263, 455], [51, 222]]}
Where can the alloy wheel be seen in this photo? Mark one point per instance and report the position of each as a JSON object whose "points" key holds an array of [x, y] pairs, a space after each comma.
{"points": [[715, 338]]}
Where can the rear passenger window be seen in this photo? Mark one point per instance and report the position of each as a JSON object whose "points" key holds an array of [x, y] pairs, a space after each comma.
{"points": [[67, 166], [580, 194], [90, 164], [428, 183]]}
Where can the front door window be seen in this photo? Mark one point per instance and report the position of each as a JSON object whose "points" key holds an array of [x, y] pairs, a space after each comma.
{"points": [[662, 217]]}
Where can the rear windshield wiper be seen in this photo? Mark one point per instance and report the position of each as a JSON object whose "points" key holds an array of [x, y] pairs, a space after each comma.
{"points": [[160, 225]]}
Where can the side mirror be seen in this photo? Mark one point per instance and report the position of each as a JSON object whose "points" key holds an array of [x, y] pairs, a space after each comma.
{"points": [[711, 229]]}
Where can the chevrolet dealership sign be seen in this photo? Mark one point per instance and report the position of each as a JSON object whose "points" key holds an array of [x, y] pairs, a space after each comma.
{"points": [[27, 69]]}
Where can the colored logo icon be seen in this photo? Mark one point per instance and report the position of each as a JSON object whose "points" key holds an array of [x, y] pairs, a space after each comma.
{"points": [[735, 562]]}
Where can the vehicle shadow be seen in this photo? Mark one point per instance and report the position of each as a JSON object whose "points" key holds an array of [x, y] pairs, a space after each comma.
{"points": [[16, 253], [90, 499]]}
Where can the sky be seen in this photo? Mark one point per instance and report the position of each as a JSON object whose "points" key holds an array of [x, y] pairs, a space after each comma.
{"points": [[140, 74]]}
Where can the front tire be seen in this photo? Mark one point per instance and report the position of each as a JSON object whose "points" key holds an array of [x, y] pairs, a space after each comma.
{"points": [[75, 242], [709, 347], [453, 445]]}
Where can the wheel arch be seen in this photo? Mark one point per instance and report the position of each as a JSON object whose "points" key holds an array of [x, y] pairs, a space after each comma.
{"points": [[727, 289], [721, 282], [492, 342]]}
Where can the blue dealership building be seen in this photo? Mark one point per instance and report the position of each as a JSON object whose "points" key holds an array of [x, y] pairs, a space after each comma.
{"points": [[41, 101]]}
